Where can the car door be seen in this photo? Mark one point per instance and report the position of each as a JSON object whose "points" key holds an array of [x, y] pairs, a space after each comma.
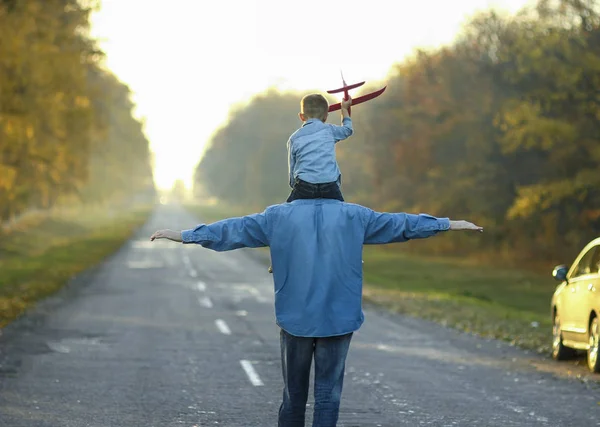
{"points": [[575, 313], [592, 300]]}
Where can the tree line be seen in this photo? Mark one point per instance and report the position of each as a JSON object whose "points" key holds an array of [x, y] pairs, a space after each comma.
{"points": [[502, 128], [66, 125]]}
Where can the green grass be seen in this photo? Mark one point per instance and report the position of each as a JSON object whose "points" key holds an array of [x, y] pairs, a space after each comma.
{"points": [[518, 289], [489, 301], [39, 255], [503, 303]]}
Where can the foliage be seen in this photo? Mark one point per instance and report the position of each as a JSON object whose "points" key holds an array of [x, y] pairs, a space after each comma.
{"points": [[502, 127], [66, 124]]}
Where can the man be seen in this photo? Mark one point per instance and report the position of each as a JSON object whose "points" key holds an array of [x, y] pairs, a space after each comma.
{"points": [[316, 252]]}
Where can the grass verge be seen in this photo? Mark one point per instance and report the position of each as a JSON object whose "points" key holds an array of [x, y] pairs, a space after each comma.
{"points": [[502, 303], [507, 304], [40, 254]]}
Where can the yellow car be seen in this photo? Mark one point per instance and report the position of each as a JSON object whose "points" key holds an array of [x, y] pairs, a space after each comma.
{"points": [[576, 307]]}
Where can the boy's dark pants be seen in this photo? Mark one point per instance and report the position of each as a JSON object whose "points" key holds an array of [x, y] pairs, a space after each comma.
{"points": [[330, 362], [307, 190]]}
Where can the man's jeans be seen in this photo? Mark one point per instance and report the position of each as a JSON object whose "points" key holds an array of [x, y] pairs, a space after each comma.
{"points": [[330, 361]]}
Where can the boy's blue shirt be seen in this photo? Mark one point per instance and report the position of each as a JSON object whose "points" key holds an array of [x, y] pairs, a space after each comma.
{"points": [[311, 151], [316, 251]]}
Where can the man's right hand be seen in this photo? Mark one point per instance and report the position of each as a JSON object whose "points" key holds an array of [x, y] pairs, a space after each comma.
{"points": [[464, 225]]}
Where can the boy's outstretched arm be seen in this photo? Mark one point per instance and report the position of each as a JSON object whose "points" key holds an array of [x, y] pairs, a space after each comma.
{"points": [[346, 104], [225, 235], [345, 130]]}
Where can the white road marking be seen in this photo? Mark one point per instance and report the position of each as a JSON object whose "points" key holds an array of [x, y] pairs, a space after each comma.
{"points": [[223, 327], [201, 286], [206, 302], [252, 375], [188, 264], [240, 291]]}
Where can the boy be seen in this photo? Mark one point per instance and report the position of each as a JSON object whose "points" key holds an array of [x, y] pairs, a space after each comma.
{"points": [[313, 169]]}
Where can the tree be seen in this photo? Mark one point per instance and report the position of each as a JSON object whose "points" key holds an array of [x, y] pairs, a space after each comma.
{"points": [[59, 111]]}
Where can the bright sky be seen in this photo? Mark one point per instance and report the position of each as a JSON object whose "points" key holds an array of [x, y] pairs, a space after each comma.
{"points": [[188, 61]]}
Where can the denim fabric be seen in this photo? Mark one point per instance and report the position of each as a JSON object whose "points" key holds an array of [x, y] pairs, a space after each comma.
{"points": [[316, 250], [330, 361], [311, 151], [306, 190]]}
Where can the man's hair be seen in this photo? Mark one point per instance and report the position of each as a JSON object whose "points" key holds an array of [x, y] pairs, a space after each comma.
{"points": [[314, 106]]}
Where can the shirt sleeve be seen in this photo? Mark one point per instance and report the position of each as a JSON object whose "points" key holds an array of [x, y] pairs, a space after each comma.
{"points": [[400, 227], [344, 131], [291, 162], [249, 231]]}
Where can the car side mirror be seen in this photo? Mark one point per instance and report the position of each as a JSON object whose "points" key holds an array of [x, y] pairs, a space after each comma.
{"points": [[560, 273]]}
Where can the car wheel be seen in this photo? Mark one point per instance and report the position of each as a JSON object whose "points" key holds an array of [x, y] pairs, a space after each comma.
{"points": [[559, 350], [594, 342]]}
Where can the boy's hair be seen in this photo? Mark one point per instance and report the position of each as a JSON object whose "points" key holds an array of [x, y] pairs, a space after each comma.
{"points": [[314, 106]]}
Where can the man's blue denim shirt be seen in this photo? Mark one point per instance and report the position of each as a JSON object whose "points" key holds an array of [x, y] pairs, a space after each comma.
{"points": [[316, 253], [311, 151]]}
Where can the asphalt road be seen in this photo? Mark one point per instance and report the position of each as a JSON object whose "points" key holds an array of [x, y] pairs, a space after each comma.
{"points": [[163, 334]]}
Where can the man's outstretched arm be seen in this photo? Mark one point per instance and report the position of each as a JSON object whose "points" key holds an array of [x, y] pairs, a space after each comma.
{"points": [[225, 235], [399, 227]]}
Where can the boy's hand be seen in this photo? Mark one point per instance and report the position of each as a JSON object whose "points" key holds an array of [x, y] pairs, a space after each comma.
{"points": [[346, 103], [464, 225], [166, 234]]}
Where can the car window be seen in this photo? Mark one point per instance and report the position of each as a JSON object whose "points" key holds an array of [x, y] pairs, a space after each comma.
{"points": [[595, 264], [589, 264]]}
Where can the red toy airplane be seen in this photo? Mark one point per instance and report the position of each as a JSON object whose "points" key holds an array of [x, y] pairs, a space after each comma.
{"points": [[355, 101]]}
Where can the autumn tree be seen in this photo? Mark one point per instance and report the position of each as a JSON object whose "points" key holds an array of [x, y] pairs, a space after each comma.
{"points": [[66, 126]]}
